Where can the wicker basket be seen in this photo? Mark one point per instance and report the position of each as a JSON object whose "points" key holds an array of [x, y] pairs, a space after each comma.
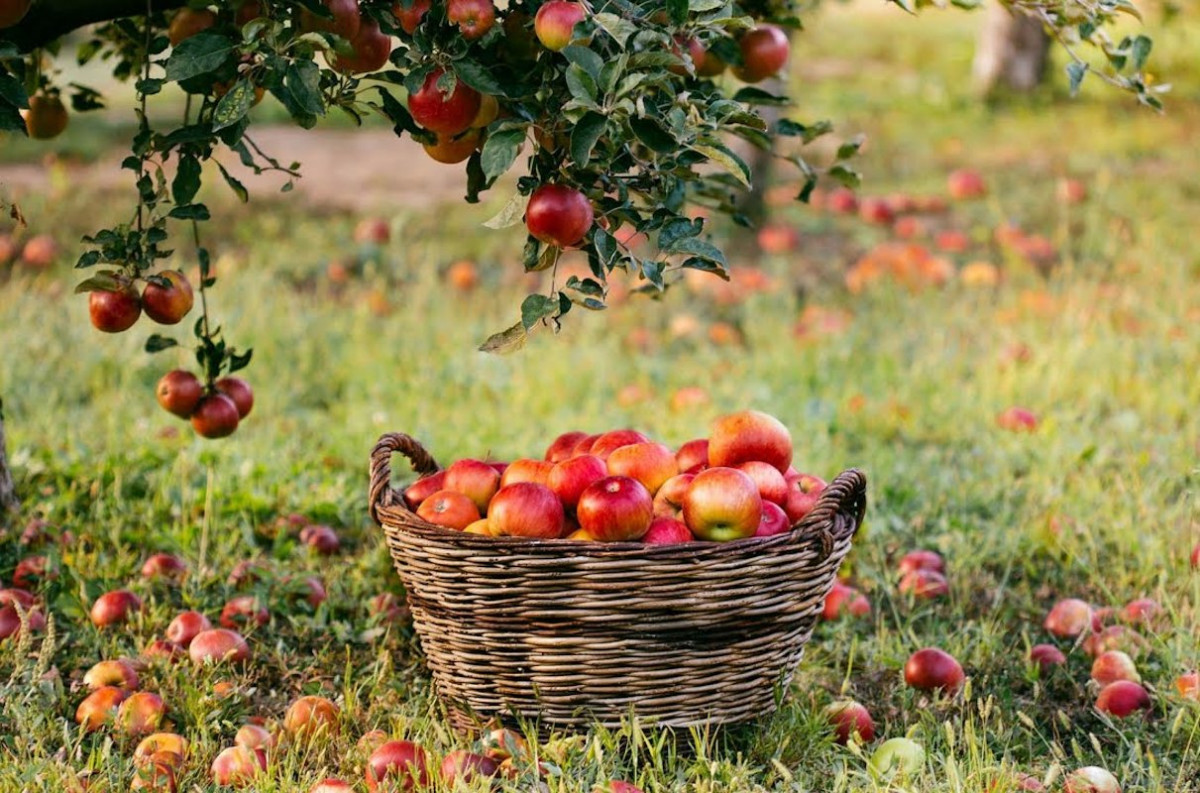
{"points": [[569, 633]]}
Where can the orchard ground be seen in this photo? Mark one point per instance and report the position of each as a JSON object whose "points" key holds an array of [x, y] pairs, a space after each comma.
{"points": [[1097, 502]]}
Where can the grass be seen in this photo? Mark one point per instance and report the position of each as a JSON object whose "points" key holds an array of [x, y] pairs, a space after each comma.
{"points": [[908, 391]]}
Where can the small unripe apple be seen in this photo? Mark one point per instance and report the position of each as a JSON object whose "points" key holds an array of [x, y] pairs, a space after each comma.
{"points": [[897, 757], [931, 669], [850, 717], [1122, 698], [115, 607]]}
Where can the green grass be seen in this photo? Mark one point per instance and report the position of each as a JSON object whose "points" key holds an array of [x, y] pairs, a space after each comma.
{"points": [[908, 391]]}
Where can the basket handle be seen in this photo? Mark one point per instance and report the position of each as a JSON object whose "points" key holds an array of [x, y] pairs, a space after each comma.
{"points": [[382, 494], [839, 511]]}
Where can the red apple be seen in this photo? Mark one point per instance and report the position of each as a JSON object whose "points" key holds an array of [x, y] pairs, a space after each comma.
{"points": [[1114, 665], [218, 645], [804, 491], [668, 501], [387, 607], [16, 597], [473, 17], [447, 113], [650, 463], [463, 766], [409, 13], [922, 560], [526, 470], [369, 51], [966, 183], [555, 23], [667, 531], [584, 446], [1069, 618], [844, 599], [749, 435], [616, 786], [114, 311], [119, 674], [168, 305], [771, 484], [850, 717], [423, 488], [557, 214], [615, 509], [246, 572], [115, 607], [10, 621], [140, 714], [774, 520], [164, 566], [1017, 419], [449, 508], [572, 475], [1188, 685], [843, 201], [924, 584], [216, 416], [1142, 610], [160, 744], [876, 210], [239, 391], [561, 447], [238, 766], [1195, 558], [321, 539], [1122, 698], [1091, 779], [722, 504], [503, 744], [693, 455], [179, 392], [31, 571], [931, 669], [526, 509], [99, 708], [347, 19], [244, 610], [331, 785], [475, 479], [764, 52], [165, 649], [1114, 637], [400, 764], [310, 716], [1046, 656]]}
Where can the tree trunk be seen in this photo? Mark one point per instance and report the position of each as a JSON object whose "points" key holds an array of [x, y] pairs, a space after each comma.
{"points": [[1012, 51], [8, 494]]}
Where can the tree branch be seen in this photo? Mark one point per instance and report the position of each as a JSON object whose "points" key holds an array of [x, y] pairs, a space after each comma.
{"points": [[49, 19]]}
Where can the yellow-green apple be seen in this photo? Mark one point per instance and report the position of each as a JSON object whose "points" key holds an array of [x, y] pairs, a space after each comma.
{"points": [[237, 766], [218, 645], [178, 392], [667, 531], [410, 12], [244, 610], [118, 673], [921, 560], [845, 599], [1069, 618], [164, 566], [737, 438], [399, 766], [615, 509], [1046, 656], [668, 501], [473, 17], [526, 469], [115, 607], [449, 508], [99, 708], [562, 447], [447, 113], [931, 669], [1091, 779], [161, 743], [966, 183], [692, 456], [465, 767], [555, 22], [804, 491], [850, 718], [924, 584], [140, 714], [423, 488], [239, 391], [321, 539], [773, 521], [1122, 698], [169, 303], [764, 52], [310, 716], [771, 484], [722, 504], [526, 509], [254, 736], [475, 479], [572, 475], [1114, 665], [897, 757], [650, 463]]}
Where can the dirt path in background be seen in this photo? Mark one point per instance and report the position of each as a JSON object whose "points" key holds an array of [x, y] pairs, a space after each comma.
{"points": [[349, 170]]}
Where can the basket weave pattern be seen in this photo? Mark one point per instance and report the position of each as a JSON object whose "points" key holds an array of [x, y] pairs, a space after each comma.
{"points": [[573, 633]]}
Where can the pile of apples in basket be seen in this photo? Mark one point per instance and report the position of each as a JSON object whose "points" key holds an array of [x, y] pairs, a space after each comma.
{"points": [[620, 486]]}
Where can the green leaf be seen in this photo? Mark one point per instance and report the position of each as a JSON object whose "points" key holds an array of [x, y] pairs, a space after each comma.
{"points": [[582, 85], [158, 343], [851, 147], [584, 136], [506, 341], [585, 59], [1076, 72], [618, 27], [500, 151], [234, 106], [302, 84], [845, 175], [190, 212], [535, 308], [187, 180], [757, 96], [726, 159], [653, 135], [1140, 49], [606, 248], [677, 229], [677, 11], [237, 187], [100, 282], [510, 214], [203, 53], [701, 249], [239, 361], [478, 77]]}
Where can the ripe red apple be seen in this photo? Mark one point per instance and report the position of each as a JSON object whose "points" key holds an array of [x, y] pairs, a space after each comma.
{"points": [[475, 479], [804, 491], [555, 23], [164, 567], [561, 447], [667, 531], [849, 717], [118, 673], [557, 214], [238, 766], [966, 183], [99, 708], [423, 488], [247, 572], [160, 744], [764, 52], [1195, 558], [218, 645], [931, 669], [10, 621], [1069, 618], [165, 649], [1188, 685], [650, 463], [32, 570], [876, 210], [254, 736], [140, 714], [1017, 419], [845, 599], [526, 469], [12, 12], [178, 392], [1046, 656], [584, 446], [463, 766], [445, 113], [693, 455], [774, 520], [924, 584], [114, 311], [1091, 779], [369, 51], [1142, 610], [321, 539], [572, 475], [616, 786], [921, 560], [1114, 665], [402, 765], [16, 597], [449, 508], [615, 509], [668, 501], [114, 607], [216, 416], [473, 17], [387, 607], [1122, 699], [239, 391], [722, 504], [749, 435], [771, 484], [331, 785], [1114, 637], [244, 610], [526, 509], [843, 201], [311, 716], [168, 305], [347, 19], [409, 13]]}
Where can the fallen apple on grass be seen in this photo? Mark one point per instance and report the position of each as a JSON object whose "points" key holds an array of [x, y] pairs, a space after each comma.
{"points": [[1123, 698], [932, 669], [1046, 656], [397, 766], [312, 716], [850, 718], [1069, 618], [1091, 779]]}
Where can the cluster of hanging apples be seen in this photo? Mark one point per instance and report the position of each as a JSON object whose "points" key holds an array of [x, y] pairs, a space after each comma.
{"points": [[620, 486]]}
